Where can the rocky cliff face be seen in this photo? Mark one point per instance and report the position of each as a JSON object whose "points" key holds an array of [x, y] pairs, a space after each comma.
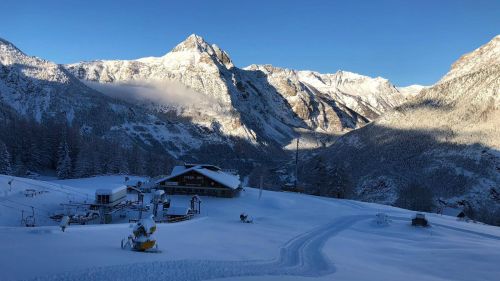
{"points": [[445, 139]]}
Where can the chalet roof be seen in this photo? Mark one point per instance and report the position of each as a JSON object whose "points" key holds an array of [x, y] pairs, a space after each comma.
{"points": [[449, 211], [229, 180], [206, 166], [177, 170]]}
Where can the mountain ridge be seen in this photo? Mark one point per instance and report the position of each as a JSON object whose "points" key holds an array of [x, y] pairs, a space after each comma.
{"points": [[445, 140], [209, 71], [485, 55]]}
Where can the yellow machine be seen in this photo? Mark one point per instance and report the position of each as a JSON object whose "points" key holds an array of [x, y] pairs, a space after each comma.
{"points": [[142, 239]]}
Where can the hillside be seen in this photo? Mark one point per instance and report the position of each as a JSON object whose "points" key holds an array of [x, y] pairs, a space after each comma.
{"points": [[446, 140], [293, 237]]}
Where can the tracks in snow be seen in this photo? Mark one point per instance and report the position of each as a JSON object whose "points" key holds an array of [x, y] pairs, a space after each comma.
{"points": [[458, 229], [301, 256]]}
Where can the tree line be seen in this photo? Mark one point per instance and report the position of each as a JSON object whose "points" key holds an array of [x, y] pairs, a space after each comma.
{"points": [[54, 145]]}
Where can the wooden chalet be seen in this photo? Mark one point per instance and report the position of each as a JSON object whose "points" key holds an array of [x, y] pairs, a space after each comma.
{"points": [[200, 179]]}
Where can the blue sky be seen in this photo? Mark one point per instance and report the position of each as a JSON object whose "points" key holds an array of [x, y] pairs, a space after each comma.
{"points": [[408, 42]]}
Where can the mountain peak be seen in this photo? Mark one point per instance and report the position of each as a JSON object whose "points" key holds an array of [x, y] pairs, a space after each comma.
{"points": [[195, 37], [192, 42], [196, 44]]}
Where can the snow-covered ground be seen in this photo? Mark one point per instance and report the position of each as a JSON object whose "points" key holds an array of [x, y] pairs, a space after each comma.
{"points": [[293, 237]]}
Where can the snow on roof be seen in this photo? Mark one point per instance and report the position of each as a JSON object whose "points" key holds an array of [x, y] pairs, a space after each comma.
{"points": [[229, 180], [110, 190], [226, 179], [209, 166], [159, 192], [449, 211], [178, 169]]}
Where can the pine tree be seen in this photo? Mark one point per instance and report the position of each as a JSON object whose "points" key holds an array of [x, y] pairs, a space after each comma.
{"points": [[340, 183], [64, 161], [415, 197], [98, 162], [117, 163], [19, 167], [44, 148], [136, 161], [124, 169], [5, 167], [84, 166], [141, 165], [25, 144]]}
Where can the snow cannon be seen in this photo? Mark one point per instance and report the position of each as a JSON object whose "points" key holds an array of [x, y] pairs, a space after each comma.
{"points": [[142, 239], [245, 218]]}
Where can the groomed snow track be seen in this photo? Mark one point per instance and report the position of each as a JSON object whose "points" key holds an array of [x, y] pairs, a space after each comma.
{"points": [[458, 229], [301, 256]]}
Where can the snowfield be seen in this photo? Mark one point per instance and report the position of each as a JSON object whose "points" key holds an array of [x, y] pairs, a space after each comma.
{"points": [[293, 237]]}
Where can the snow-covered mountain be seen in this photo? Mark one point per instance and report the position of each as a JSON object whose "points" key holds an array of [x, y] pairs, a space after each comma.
{"points": [[195, 104], [412, 90], [36, 87], [367, 96], [486, 55], [446, 139], [39, 89], [259, 103]]}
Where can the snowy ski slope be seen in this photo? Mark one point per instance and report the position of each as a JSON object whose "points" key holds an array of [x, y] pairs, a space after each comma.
{"points": [[293, 237]]}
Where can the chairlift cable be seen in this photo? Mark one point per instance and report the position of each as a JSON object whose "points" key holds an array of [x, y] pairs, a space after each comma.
{"points": [[55, 187], [38, 208], [14, 208]]}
